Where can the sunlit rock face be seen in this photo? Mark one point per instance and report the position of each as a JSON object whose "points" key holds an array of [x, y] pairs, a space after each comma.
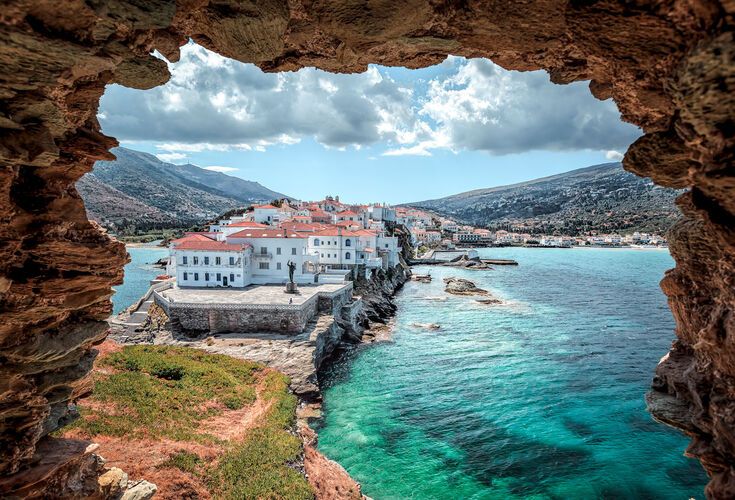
{"points": [[668, 65]]}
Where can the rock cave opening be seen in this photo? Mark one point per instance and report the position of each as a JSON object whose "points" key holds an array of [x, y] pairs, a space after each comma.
{"points": [[669, 68]]}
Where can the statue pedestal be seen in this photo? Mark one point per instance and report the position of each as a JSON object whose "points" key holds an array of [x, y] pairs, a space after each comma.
{"points": [[291, 288]]}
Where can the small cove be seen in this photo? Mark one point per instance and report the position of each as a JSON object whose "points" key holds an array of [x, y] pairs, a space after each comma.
{"points": [[540, 397]]}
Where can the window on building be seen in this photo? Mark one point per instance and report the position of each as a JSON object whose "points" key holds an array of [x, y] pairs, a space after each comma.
{"points": [[263, 265], [183, 260], [278, 266], [322, 256], [196, 276], [316, 242], [206, 261], [196, 260], [293, 251], [278, 251], [186, 276], [386, 245], [348, 242], [263, 250], [232, 261], [232, 277], [206, 276], [219, 276], [348, 256], [217, 261]]}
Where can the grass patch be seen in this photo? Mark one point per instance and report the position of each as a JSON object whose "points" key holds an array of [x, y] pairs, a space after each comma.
{"points": [[183, 460], [166, 392], [254, 469]]}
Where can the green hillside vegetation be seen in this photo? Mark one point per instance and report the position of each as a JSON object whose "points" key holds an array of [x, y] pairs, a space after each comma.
{"points": [[160, 392]]}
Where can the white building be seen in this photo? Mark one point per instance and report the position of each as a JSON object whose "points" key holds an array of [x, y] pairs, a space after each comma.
{"points": [[449, 226], [466, 237], [270, 214], [250, 256], [339, 248], [272, 249], [198, 261], [382, 213]]}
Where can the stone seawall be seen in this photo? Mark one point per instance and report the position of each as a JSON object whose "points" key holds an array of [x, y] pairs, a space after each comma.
{"points": [[205, 318]]}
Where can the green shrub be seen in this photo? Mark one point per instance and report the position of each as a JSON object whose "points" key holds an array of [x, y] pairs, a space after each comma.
{"points": [[168, 371], [183, 460]]}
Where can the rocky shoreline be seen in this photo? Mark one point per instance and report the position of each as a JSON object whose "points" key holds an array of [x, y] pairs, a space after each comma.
{"points": [[301, 357]]}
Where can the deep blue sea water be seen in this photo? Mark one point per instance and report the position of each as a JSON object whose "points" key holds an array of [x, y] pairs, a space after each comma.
{"points": [[539, 398], [138, 274]]}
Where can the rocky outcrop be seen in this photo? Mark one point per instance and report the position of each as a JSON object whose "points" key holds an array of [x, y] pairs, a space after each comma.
{"points": [[377, 292], [461, 286], [668, 65]]}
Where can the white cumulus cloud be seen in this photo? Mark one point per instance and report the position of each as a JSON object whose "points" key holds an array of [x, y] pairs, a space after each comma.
{"points": [[218, 168], [614, 155], [170, 157], [216, 104]]}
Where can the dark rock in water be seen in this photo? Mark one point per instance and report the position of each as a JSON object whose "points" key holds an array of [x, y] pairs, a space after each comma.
{"points": [[461, 286], [428, 326], [491, 301]]}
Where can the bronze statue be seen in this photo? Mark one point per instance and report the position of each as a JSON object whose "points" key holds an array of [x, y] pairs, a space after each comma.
{"points": [[291, 270]]}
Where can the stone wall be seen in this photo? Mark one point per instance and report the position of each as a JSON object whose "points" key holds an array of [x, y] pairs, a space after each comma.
{"points": [[247, 318], [220, 319], [669, 65]]}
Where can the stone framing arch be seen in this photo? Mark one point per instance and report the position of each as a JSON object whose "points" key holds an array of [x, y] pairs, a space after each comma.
{"points": [[669, 65]]}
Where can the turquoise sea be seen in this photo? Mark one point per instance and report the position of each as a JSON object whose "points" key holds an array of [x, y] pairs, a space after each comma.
{"points": [[138, 274], [541, 397]]}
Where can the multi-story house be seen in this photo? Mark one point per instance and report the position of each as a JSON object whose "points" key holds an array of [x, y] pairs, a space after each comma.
{"points": [[251, 256]]}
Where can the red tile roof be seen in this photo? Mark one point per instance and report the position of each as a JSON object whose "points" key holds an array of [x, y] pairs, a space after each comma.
{"points": [[268, 206], [346, 213], [302, 226], [195, 237], [338, 231], [265, 233], [246, 223], [219, 246]]}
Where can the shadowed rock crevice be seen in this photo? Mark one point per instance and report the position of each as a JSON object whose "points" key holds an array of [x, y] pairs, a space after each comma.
{"points": [[668, 65]]}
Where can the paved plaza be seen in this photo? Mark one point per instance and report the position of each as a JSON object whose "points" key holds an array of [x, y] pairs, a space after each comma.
{"points": [[253, 294]]}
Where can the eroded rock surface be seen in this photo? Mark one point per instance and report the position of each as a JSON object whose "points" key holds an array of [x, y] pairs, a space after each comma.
{"points": [[461, 286], [668, 65]]}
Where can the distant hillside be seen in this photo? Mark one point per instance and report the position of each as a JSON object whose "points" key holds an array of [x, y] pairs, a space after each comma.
{"points": [[140, 190], [600, 198]]}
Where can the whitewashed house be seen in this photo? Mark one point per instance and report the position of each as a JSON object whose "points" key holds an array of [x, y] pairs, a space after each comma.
{"points": [[270, 214], [198, 261], [272, 249]]}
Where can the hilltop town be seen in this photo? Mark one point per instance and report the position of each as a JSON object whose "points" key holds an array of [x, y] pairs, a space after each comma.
{"points": [[329, 241]]}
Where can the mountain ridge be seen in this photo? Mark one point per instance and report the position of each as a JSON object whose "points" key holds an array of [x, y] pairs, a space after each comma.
{"points": [[139, 190], [601, 198]]}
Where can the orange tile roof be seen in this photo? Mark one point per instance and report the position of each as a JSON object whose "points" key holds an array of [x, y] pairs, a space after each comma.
{"points": [[219, 246], [265, 233], [194, 237], [302, 226], [338, 231], [246, 223], [346, 213], [268, 206]]}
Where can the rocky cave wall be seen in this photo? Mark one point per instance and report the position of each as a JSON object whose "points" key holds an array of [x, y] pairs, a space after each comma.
{"points": [[668, 65]]}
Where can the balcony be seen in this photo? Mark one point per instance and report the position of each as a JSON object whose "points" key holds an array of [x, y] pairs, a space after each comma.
{"points": [[262, 256], [210, 264]]}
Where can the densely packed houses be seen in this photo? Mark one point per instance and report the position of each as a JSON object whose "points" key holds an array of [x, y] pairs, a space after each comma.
{"points": [[319, 240]]}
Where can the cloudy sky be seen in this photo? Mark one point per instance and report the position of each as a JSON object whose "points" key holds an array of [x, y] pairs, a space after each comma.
{"points": [[389, 134]]}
